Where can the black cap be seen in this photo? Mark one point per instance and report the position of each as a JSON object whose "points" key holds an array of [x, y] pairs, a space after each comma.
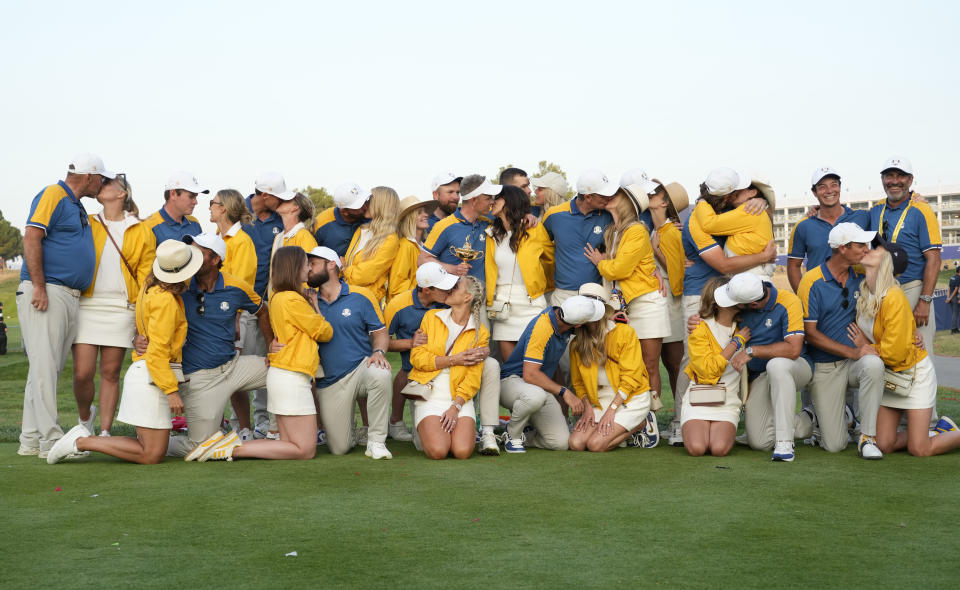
{"points": [[897, 253]]}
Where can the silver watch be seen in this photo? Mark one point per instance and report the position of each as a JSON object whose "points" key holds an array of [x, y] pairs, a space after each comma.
{"points": [[748, 350], [927, 298]]}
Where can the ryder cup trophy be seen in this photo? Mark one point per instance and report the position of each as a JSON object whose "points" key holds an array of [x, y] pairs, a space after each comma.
{"points": [[466, 253]]}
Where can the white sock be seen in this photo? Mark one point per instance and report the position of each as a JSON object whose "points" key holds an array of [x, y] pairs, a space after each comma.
{"points": [[486, 430]]}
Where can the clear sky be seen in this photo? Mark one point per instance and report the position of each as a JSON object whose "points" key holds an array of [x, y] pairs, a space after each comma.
{"points": [[391, 93]]}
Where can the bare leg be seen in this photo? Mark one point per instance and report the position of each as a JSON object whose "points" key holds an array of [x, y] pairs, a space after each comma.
{"points": [[506, 349], [888, 439], [298, 440], [111, 359], [240, 402], [696, 437], [650, 347], [671, 354], [599, 443], [147, 449], [463, 439], [920, 443], [722, 435], [578, 438], [436, 443], [84, 367]]}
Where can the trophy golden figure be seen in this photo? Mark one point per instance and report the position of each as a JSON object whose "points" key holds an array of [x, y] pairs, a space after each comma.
{"points": [[466, 253]]}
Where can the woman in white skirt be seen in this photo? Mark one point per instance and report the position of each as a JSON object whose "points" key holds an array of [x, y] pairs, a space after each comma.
{"points": [[516, 279], [106, 323], [630, 269], [711, 406], [885, 319], [151, 386], [447, 371]]}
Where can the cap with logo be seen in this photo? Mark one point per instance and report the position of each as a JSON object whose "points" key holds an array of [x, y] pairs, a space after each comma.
{"points": [[209, 241], [272, 183], [596, 182], [821, 173], [723, 181], [484, 188], [89, 164], [326, 254], [431, 274], [553, 181], [636, 176], [350, 196], [745, 287], [579, 310], [184, 181], [896, 163], [847, 233], [442, 179]]}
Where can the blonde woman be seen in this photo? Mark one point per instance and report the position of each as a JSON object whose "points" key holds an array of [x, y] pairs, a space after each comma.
{"points": [[374, 246], [549, 190], [608, 375], [229, 211], [885, 319], [412, 225], [629, 265], [450, 365], [711, 406], [297, 214], [106, 322]]}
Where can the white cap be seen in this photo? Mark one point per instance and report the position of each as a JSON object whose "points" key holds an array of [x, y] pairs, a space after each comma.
{"points": [[184, 181], [350, 196], [486, 188], [326, 254], [553, 181], [211, 241], [431, 274], [821, 173], [745, 287], [442, 179], [273, 183], [902, 164], [89, 164], [638, 177], [580, 310], [846, 233], [596, 182], [723, 181]]}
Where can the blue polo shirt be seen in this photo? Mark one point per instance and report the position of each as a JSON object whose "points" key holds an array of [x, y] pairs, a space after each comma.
{"points": [[781, 317], [918, 232], [404, 314], [647, 219], [809, 237], [353, 315], [541, 343], [822, 299], [431, 221], [334, 232], [954, 283], [165, 228], [69, 257], [453, 231], [697, 275], [210, 336], [263, 233], [571, 231]]}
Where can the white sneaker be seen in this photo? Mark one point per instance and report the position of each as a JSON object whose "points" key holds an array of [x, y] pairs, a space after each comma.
{"points": [[67, 445], [205, 446], [783, 451], [104, 434], [245, 434], [34, 451], [223, 450], [488, 444], [676, 435], [867, 448], [273, 436], [362, 435], [398, 431], [377, 450], [742, 439], [88, 423]]}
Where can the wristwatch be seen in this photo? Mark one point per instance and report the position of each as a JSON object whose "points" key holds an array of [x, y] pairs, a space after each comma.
{"points": [[562, 391], [380, 350], [927, 298], [458, 406], [749, 351]]}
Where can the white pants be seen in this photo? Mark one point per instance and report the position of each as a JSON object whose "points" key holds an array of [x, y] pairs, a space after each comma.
{"points": [[771, 406], [828, 390], [529, 403], [337, 402], [251, 339]]}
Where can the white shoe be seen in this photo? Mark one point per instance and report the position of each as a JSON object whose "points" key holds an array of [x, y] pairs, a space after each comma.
{"points": [[867, 448], [66, 447], [273, 436], [488, 444], [88, 423], [245, 434], [205, 446], [34, 451], [783, 451], [223, 450], [104, 434], [362, 435], [676, 435], [377, 450], [398, 431]]}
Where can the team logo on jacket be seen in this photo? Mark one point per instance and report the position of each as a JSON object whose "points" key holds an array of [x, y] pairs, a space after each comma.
{"points": [[224, 306], [346, 312], [276, 230], [768, 323], [597, 230]]}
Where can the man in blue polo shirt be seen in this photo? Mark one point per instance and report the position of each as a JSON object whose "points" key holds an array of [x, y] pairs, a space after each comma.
{"points": [[526, 384], [352, 368], [335, 226], [809, 237], [446, 192], [465, 228], [174, 219], [829, 296], [58, 263]]}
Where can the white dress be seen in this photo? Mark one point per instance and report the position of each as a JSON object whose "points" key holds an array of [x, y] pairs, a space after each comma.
{"points": [[107, 318], [730, 410], [510, 287]]}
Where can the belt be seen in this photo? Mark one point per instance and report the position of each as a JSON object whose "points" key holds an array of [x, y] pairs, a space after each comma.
{"points": [[220, 369], [74, 292], [832, 364]]}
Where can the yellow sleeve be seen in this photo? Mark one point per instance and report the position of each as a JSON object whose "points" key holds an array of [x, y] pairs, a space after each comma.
{"points": [[794, 308], [301, 314], [706, 364], [421, 357], [161, 325], [470, 384], [402, 275], [539, 337], [701, 238], [365, 270], [242, 257], [729, 223], [305, 240], [147, 253], [933, 226], [633, 373], [576, 375], [633, 248], [897, 325], [49, 200], [671, 246]]}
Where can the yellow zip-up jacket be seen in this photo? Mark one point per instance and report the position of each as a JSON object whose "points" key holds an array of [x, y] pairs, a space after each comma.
{"points": [[632, 264], [464, 381], [530, 252], [624, 367], [370, 269], [671, 246], [299, 327], [138, 249], [706, 356], [894, 330], [302, 238], [403, 273], [160, 317], [241, 260], [749, 234]]}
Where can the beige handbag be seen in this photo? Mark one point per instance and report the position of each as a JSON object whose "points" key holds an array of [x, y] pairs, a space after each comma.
{"points": [[899, 382], [707, 395]]}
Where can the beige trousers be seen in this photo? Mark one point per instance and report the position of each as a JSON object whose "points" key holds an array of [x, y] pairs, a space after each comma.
{"points": [[337, 402], [828, 390], [529, 403], [770, 412], [255, 345]]}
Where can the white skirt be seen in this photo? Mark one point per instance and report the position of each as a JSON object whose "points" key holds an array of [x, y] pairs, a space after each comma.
{"points": [[142, 403], [728, 412], [289, 393], [439, 400], [649, 315], [924, 392], [106, 322], [522, 311], [676, 314], [630, 414]]}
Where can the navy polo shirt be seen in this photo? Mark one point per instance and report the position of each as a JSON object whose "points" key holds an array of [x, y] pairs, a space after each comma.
{"points": [[541, 343], [263, 233], [165, 228], [334, 232], [536, 210], [210, 336], [571, 231], [647, 219], [822, 298], [69, 257], [809, 237], [453, 231], [781, 317], [697, 275], [431, 221], [919, 232], [404, 314], [954, 283], [353, 315]]}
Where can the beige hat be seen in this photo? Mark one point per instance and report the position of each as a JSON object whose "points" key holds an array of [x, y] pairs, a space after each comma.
{"points": [[764, 187], [553, 181], [176, 261], [595, 291], [412, 203], [637, 194], [678, 195]]}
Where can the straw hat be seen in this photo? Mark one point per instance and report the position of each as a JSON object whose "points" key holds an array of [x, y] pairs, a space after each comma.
{"points": [[176, 261], [678, 194], [764, 187], [596, 291]]}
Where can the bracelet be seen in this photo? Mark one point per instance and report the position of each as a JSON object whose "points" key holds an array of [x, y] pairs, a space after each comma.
{"points": [[380, 350], [457, 406], [738, 341], [562, 391]]}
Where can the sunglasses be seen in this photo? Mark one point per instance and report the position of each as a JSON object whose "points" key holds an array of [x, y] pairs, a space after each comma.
{"points": [[845, 303], [212, 203], [200, 299]]}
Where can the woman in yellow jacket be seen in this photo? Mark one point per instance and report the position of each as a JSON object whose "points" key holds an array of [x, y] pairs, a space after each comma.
{"points": [[297, 215], [630, 267], [710, 426], [229, 211], [106, 324], [608, 374], [374, 246], [515, 273], [412, 226], [448, 369], [885, 319], [151, 386]]}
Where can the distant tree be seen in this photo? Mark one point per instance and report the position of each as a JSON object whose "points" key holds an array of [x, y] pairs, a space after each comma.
{"points": [[320, 197], [11, 240], [495, 179]]}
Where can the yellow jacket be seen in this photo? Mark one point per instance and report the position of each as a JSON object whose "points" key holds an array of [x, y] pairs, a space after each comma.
{"points": [[370, 269], [624, 367], [529, 260], [299, 327], [161, 319], [671, 246], [241, 260], [749, 234], [138, 248], [894, 330], [464, 381], [302, 238], [707, 364], [403, 273], [632, 264]]}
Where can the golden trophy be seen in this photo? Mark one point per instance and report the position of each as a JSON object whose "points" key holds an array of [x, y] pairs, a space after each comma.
{"points": [[466, 253]]}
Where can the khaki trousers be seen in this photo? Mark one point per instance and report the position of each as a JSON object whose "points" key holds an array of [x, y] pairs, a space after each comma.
{"points": [[337, 402], [47, 337], [529, 403], [251, 339], [771, 406], [691, 306], [828, 390]]}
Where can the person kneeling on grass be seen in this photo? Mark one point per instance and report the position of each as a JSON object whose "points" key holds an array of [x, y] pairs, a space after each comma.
{"points": [[447, 371], [150, 387], [610, 378]]}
